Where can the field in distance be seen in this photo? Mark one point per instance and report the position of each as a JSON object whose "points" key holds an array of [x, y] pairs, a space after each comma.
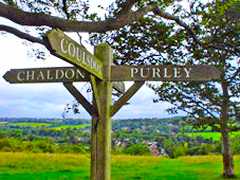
{"points": [[53, 126], [74, 166]]}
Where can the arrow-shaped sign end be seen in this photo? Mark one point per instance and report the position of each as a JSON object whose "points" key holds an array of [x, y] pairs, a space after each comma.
{"points": [[5, 76]]}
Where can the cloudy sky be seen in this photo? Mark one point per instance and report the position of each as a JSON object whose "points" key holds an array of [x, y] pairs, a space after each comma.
{"points": [[49, 99]]}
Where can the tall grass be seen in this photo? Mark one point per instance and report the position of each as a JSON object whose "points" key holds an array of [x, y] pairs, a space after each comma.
{"points": [[74, 166]]}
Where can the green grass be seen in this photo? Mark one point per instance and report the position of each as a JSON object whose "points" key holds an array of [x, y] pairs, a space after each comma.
{"points": [[29, 124], [78, 126], [3, 123], [211, 135], [22, 166]]}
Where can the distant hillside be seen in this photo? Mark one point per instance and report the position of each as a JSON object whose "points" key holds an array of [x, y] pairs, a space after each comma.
{"points": [[77, 120]]}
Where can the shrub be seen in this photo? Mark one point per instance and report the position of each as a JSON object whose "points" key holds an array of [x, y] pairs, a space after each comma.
{"points": [[202, 149], [137, 149], [4, 143], [235, 145], [180, 150]]}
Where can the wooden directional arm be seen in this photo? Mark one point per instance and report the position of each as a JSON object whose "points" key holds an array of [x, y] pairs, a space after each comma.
{"points": [[80, 98], [125, 97]]}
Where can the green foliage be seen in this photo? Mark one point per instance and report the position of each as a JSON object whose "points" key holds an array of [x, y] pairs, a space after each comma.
{"points": [[235, 145], [4, 143], [174, 149], [202, 149], [137, 149], [129, 137], [180, 150], [40, 146]]}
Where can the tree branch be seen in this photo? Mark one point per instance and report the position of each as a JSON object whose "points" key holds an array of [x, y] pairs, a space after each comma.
{"points": [[22, 35], [237, 72], [165, 15], [65, 9], [40, 19], [125, 17], [126, 7]]}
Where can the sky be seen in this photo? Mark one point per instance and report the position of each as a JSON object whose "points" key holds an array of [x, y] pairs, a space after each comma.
{"points": [[47, 100]]}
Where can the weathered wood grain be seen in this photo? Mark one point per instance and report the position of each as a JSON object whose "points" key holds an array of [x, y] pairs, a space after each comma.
{"points": [[46, 75], [53, 75], [101, 160], [69, 50], [165, 73]]}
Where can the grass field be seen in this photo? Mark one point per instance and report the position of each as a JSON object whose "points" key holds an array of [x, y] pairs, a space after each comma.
{"points": [[47, 125], [29, 124], [25, 166], [211, 135], [78, 126]]}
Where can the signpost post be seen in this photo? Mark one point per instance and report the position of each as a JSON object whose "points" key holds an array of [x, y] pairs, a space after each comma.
{"points": [[98, 70]]}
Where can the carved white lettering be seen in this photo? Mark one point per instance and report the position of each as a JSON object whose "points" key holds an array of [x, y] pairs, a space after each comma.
{"points": [[69, 74], [133, 71], [30, 75], [166, 73], [78, 54], [187, 71], [49, 77], [176, 72], [79, 74], [59, 74], [71, 50], [156, 72], [40, 76], [20, 76], [142, 70], [62, 46]]}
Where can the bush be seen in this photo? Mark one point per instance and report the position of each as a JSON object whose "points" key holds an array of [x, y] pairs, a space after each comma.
{"points": [[235, 145], [44, 146], [202, 149], [137, 149], [5, 144], [180, 150]]}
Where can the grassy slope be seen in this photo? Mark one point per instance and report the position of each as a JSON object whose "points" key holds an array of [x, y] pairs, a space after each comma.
{"points": [[208, 135], [47, 125], [79, 126], [29, 124], [24, 166]]}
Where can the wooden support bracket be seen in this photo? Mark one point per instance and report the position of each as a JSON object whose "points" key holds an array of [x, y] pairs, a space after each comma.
{"points": [[96, 97], [80, 98], [126, 96]]}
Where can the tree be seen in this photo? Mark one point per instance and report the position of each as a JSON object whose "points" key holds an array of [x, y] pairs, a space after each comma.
{"points": [[210, 36], [212, 103]]}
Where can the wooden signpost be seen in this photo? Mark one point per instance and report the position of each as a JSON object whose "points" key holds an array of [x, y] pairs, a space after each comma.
{"points": [[98, 70], [53, 75], [164, 73], [74, 53], [43, 75], [118, 74]]}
